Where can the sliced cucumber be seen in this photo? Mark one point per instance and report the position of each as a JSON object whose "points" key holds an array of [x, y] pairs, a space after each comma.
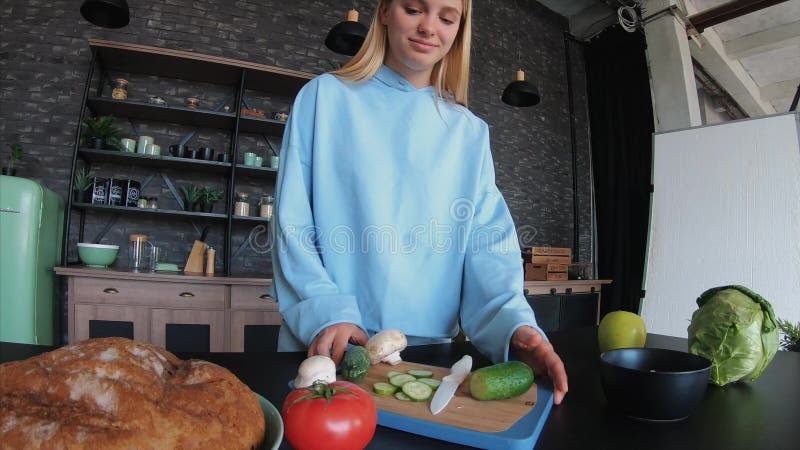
{"points": [[420, 373], [418, 392], [401, 396], [432, 382], [400, 380], [382, 388], [392, 373]]}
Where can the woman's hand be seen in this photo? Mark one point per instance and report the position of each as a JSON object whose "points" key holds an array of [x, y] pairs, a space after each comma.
{"points": [[531, 348], [332, 341]]}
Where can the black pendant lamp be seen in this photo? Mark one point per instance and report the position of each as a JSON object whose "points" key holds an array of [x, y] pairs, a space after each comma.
{"points": [[346, 37], [106, 13], [521, 92]]}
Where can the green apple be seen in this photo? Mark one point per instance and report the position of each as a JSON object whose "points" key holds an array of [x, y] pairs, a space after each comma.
{"points": [[621, 329]]}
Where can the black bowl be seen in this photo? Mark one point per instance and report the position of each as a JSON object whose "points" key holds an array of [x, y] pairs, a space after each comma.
{"points": [[653, 383]]}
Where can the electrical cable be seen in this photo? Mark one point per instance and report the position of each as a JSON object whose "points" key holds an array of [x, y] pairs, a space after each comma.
{"points": [[628, 18]]}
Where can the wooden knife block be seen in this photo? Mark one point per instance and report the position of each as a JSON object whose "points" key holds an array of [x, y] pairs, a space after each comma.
{"points": [[195, 262]]}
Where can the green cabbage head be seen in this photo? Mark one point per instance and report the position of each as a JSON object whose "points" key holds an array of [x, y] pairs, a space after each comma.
{"points": [[736, 330]]}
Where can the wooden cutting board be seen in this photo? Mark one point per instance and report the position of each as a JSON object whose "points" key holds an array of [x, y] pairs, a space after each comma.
{"points": [[463, 411]]}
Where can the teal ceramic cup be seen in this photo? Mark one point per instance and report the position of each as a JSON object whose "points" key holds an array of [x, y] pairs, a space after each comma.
{"points": [[274, 161], [142, 145], [127, 145], [249, 159], [259, 161]]}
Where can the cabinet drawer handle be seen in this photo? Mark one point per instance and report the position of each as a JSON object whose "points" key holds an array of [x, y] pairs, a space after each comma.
{"points": [[265, 297], [186, 294], [110, 291]]}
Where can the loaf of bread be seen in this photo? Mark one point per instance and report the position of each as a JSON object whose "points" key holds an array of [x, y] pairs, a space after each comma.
{"points": [[114, 393]]}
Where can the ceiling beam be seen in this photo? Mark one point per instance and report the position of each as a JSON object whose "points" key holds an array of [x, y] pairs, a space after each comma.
{"points": [[779, 90], [764, 41], [730, 74], [728, 11]]}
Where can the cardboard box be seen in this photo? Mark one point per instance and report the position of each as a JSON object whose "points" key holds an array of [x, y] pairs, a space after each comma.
{"points": [[546, 272], [554, 251], [548, 259]]}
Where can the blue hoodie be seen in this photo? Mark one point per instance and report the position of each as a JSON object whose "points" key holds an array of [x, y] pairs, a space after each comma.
{"points": [[387, 216]]}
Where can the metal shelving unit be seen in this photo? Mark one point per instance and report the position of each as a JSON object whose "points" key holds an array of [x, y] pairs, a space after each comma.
{"points": [[127, 210], [91, 155], [188, 66]]}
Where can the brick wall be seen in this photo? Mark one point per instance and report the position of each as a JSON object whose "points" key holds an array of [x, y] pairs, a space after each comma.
{"points": [[44, 58]]}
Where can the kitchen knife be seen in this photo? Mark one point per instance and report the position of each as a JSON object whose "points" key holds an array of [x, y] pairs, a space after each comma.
{"points": [[450, 384]]}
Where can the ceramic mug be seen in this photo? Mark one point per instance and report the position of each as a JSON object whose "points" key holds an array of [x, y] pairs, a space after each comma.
{"points": [[176, 150], [127, 145], [142, 145], [152, 149], [259, 161], [249, 159], [206, 153], [274, 161]]}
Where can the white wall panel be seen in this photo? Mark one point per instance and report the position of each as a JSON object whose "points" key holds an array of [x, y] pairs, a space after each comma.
{"points": [[726, 210]]}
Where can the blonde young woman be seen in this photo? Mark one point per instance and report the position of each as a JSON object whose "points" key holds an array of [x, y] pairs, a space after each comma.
{"points": [[387, 213]]}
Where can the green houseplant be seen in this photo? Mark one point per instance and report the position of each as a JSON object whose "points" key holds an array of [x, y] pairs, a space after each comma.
{"points": [[209, 196], [191, 195], [81, 185], [14, 155], [791, 335], [100, 132]]}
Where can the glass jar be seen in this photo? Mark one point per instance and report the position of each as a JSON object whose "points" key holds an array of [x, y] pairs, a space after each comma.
{"points": [[120, 90], [152, 203], [137, 248], [265, 206], [242, 206], [142, 202]]}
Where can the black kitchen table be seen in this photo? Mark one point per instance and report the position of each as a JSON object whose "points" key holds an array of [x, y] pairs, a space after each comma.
{"points": [[764, 414]]}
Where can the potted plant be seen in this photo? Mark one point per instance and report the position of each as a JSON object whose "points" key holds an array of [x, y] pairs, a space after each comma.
{"points": [[83, 181], [15, 154], [791, 335], [209, 196], [191, 195], [100, 132]]}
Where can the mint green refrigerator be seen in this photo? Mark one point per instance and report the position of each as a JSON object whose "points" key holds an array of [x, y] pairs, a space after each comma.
{"points": [[31, 224]]}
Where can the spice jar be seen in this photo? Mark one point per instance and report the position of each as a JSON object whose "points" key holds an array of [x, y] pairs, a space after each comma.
{"points": [[152, 203], [142, 202], [265, 206], [120, 90], [241, 207]]}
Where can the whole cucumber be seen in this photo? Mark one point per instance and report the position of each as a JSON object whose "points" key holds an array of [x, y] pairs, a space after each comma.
{"points": [[504, 380]]}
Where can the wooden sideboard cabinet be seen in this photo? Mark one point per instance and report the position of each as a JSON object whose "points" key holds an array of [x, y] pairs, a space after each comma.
{"points": [[175, 311], [561, 305]]}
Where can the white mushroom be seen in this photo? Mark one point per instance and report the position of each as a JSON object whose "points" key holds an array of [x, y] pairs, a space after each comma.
{"points": [[386, 347], [315, 369]]}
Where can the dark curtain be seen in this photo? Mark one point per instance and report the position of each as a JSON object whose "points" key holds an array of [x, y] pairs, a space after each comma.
{"points": [[621, 117]]}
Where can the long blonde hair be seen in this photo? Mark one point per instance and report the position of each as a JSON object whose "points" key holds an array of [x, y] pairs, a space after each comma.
{"points": [[450, 76]]}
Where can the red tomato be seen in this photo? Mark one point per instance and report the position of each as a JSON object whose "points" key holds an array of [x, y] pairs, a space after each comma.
{"points": [[346, 421]]}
